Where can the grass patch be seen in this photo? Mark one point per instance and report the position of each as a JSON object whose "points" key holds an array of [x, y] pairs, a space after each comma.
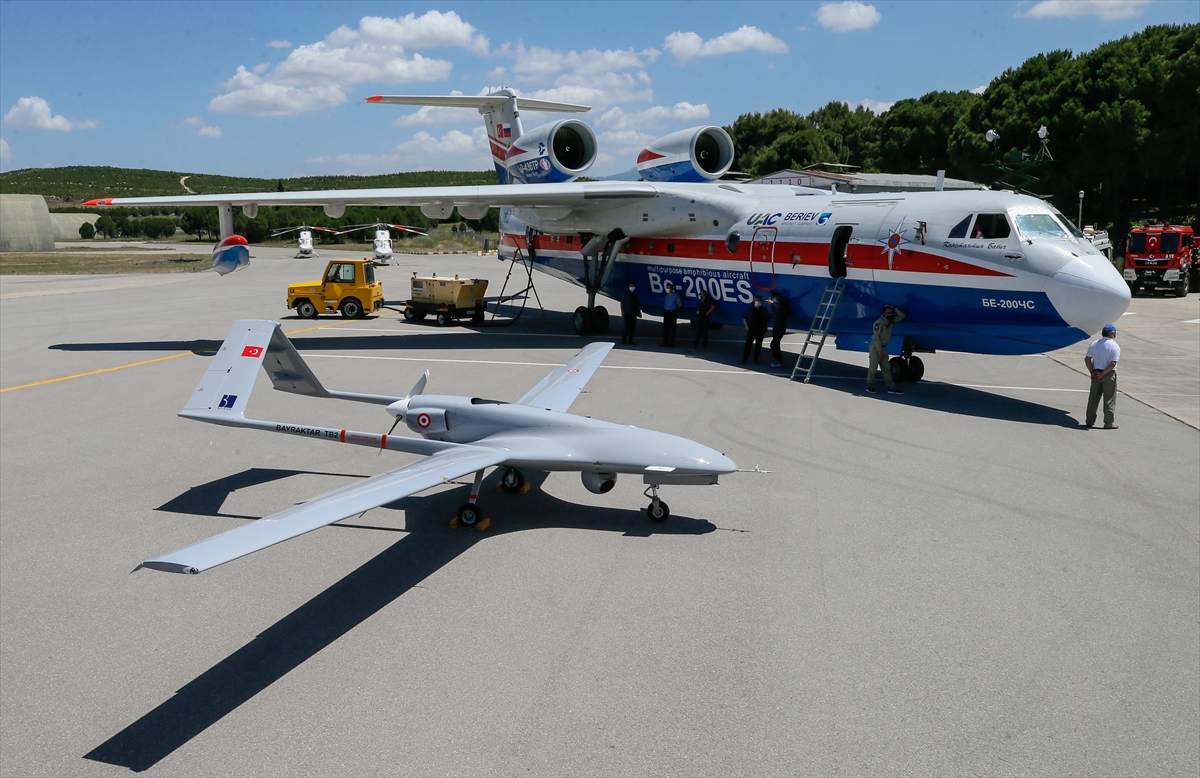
{"points": [[116, 261]]}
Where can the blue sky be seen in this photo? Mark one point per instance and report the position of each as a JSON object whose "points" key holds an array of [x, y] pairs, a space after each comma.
{"points": [[276, 89]]}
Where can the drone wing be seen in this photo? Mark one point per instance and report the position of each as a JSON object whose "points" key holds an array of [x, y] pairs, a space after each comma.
{"points": [[327, 509], [558, 390]]}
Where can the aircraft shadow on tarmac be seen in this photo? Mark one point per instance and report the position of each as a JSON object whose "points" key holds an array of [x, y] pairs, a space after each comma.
{"points": [[428, 545], [840, 376]]}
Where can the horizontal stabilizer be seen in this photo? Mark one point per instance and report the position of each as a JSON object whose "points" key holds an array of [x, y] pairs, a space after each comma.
{"points": [[225, 388], [290, 373], [485, 103], [557, 391]]}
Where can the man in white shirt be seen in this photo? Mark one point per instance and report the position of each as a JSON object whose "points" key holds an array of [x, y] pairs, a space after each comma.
{"points": [[1101, 361]]}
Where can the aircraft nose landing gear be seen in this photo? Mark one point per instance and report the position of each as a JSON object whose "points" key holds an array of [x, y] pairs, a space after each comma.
{"points": [[513, 480], [907, 368], [657, 510]]}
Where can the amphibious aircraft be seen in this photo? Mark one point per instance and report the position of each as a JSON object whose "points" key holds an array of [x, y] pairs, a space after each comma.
{"points": [[382, 244], [460, 435], [978, 271]]}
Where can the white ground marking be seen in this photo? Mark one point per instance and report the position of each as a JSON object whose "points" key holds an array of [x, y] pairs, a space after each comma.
{"points": [[534, 364], [1192, 321]]}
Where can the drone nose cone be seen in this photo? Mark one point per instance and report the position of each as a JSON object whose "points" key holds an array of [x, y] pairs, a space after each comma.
{"points": [[723, 464], [1088, 293]]}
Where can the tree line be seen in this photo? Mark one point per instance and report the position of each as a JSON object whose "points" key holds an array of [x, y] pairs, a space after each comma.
{"points": [[1123, 122]]}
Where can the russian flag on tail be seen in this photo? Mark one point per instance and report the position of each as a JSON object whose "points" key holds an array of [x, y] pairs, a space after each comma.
{"points": [[503, 130]]}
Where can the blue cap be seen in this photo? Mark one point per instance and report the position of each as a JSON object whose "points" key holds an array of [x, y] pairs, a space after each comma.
{"points": [[1109, 328]]}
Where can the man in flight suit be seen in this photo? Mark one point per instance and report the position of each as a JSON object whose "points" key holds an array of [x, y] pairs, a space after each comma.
{"points": [[631, 311], [880, 338], [755, 321], [1101, 361]]}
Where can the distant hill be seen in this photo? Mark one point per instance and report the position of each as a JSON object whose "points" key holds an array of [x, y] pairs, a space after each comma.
{"points": [[75, 184]]}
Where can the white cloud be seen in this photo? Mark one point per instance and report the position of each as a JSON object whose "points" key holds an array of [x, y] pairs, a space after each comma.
{"points": [[209, 132], [33, 113], [5, 151], [192, 121], [454, 150], [617, 120], [280, 44], [1108, 10], [686, 45], [253, 94], [434, 116], [979, 89], [316, 76], [874, 106], [847, 16], [262, 67], [540, 64]]}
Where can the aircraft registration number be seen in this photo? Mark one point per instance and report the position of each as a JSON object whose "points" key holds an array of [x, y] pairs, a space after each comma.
{"points": [[991, 302]]}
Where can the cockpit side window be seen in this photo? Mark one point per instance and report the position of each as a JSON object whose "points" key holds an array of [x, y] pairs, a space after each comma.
{"points": [[369, 274], [990, 226], [960, 230]]}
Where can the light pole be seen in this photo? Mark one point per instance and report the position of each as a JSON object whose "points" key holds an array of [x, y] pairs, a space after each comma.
{"points": [[1079, 224]]}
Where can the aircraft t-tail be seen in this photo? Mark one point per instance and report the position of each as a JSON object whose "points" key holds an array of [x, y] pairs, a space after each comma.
{"points": [[986, 272], [459, 435]]}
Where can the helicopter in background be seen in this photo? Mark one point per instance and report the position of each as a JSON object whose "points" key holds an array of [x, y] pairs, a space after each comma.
{"points": [[304, 246], [382, 244]]}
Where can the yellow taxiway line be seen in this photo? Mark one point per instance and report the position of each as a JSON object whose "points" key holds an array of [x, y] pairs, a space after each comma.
{"points": [[49, 381]]}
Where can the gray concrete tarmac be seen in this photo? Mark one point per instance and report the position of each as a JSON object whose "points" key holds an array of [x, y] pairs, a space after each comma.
{"points": [[954, 581]]}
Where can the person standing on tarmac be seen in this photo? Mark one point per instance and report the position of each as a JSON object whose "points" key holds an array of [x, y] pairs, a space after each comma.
{"points": [[631, 311], [782, 311], [1101, 361], [755, 321], [704, 309], [671, 306], [880, 337]]}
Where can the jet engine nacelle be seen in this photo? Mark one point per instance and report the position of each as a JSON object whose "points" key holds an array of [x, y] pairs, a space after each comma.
{"points": [[598, 483], [694, 155], [553, 153]]}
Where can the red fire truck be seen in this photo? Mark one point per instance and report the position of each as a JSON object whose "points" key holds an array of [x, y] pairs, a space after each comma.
{"points": [[1162, 256]]}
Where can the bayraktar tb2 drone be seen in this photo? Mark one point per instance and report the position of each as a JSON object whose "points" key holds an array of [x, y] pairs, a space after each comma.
{"points": [[460, 435]]}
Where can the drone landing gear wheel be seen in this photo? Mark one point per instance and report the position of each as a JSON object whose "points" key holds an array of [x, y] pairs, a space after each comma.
{"points": [[657, 510], [513, 481], [471, 517]]}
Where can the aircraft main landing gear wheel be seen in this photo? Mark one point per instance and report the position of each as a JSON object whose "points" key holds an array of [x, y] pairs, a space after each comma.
{"points": [[581, 321], [512, 480], [469, 515], [916, 370], [899, 370], [600, 320]]}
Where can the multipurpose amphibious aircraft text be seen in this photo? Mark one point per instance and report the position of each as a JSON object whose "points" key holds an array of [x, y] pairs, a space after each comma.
{"points": [[987, 272], [460, 435]]}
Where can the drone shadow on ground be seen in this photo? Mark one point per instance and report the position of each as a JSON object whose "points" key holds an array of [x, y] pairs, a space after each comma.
{"points": [[428, 545]]}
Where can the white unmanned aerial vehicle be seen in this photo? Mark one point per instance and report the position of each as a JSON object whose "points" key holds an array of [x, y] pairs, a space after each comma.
{"points": [[461, 435], [382, 244], [304, 246]]}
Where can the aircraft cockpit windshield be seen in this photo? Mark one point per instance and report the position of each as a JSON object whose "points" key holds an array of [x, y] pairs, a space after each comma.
{"points": [[1039, 226]]}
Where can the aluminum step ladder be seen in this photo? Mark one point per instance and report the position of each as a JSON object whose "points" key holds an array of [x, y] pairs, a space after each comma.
{"points": [[822, 321]]}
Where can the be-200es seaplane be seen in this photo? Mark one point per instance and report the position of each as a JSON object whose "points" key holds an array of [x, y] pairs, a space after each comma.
{"points": [[978, 271], [460, 435]]}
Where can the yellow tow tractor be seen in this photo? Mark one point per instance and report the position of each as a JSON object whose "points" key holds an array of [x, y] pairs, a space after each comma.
{"points": [[446, 298], [349, 286]]}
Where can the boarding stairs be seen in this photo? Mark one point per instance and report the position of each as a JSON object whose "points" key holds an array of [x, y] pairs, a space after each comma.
{"points": [[822, 321]]}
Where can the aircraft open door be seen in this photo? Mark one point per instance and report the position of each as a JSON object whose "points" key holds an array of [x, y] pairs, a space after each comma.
{"points": [[762, 258]]}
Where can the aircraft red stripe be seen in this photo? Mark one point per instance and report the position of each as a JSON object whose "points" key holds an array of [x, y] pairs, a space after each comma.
{"points": [[383, 443], [647, 155], [375, 98], [342, 439], [862, 257]]}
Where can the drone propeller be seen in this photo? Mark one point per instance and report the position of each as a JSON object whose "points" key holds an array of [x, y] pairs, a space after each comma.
{"points": [[400, 407]]}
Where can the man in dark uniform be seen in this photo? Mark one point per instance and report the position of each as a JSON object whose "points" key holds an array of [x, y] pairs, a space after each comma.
{"points": [[671, 305], [631, 311], [782, 311], [755, 321]]}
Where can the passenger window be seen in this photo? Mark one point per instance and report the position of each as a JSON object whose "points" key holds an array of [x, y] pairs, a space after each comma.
{"points": [[960, 229], [990, 226]]}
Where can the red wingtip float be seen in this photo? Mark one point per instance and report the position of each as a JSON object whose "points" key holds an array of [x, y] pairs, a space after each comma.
{"points": [[99, 201], [375, 99]]}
